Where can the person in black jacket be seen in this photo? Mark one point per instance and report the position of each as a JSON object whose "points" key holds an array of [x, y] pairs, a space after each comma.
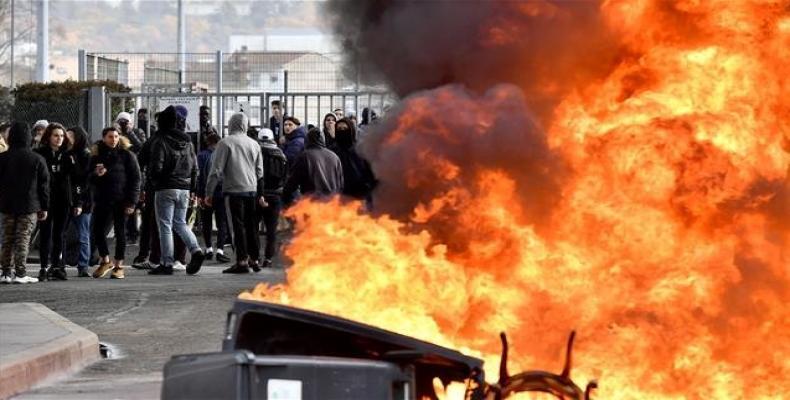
{"points": [[115, 177], [173, 171], [24, 199], [358, 178], [80, 158], [54, 147], [275, 171]]}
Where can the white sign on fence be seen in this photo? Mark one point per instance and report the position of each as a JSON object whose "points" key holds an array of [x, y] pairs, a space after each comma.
{"points": [[192, 104]]}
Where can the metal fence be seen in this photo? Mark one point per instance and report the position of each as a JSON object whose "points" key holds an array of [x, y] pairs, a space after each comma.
{"points": [[246, 71], [308, 107]]}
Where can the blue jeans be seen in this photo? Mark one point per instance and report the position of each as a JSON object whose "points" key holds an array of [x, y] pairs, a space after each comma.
{"points": [[171, 214], [83, 225]]}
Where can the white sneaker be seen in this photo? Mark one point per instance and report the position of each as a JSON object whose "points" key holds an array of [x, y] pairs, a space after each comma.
{"points": [[25, 279], [177, 266], [6, 279]]}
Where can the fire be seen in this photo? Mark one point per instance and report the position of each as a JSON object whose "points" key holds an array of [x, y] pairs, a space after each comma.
{"points": [[655, 221]]}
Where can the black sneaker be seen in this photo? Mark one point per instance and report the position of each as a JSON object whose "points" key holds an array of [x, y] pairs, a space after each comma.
{"points": [[222, 258], [57, 274], [42, 275], [267, 264], [143, 265], [254, 265], [237, 269], [83, 273], [139, 260], [195, 262], [162, 270], [209, 255]]}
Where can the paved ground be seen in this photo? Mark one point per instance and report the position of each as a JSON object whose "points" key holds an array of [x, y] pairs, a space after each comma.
{"points": [[146, 319]]}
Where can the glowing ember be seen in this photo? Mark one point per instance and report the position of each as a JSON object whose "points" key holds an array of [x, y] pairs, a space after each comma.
{"points": [[652, 216]]}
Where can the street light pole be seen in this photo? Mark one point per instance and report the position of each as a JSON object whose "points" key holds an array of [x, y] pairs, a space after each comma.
{"points": [[13, 33], [42, 61], [181, 43]]}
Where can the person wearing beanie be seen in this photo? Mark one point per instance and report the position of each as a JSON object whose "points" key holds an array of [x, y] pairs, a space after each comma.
{"points": [[173, 173], [23, 201], [238, 163], [275, 171], [124, 122], [38, 131]]}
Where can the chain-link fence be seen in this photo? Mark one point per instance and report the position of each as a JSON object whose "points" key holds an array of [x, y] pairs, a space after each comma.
{"points": [[69, 111], [240, 71]]}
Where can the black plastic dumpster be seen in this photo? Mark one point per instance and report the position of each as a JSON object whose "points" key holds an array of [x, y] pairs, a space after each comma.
{"points": [[273, 352]]}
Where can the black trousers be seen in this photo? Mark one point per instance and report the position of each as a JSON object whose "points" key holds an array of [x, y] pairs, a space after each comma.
{"points": [[51, 233], [148, 216], [102, 215], [270, 216], [244, 218], [207, 214]]}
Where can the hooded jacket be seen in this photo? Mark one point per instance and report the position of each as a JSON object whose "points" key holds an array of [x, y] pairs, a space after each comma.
{"points": [[295, 145], [237, 162], [121, 182], [358, 178], [173, 164], [316, 171], [23, 175]]}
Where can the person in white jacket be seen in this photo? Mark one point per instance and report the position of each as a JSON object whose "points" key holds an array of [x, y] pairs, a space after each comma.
{"points": [[238, 163]]}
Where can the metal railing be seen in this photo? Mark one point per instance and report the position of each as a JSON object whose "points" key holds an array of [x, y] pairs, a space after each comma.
{"points": [[309, 107]]}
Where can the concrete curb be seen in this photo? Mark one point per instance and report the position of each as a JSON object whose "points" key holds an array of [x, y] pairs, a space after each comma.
{"points": [[55, 359]]}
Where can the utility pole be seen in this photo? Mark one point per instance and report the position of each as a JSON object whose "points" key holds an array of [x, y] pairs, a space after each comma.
{"points": [[181, 43], [13, 32], [42, 48]]}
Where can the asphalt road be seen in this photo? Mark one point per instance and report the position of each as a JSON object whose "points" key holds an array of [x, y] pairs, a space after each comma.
{"points": [[145, 319]]}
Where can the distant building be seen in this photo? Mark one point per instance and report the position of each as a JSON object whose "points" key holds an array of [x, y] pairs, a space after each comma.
{"points": [[257, 72], [284, 39]]}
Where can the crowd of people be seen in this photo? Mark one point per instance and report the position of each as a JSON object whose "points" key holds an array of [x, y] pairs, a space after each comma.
{"points": [[52, 178]]}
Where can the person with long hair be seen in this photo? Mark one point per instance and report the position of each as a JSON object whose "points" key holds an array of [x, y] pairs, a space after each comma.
{"points": [[80, 157], [54, 146], [115, 177]]}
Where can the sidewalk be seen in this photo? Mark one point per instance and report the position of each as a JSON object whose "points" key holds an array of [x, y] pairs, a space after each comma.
{"points": [[38, 345]]}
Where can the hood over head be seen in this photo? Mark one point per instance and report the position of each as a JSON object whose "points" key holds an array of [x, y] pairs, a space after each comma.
{"points": [[315, 138], [238, 124], [19, 136], [348, 137], [167, 118]]}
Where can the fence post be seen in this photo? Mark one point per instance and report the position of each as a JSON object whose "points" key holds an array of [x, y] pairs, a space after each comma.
{"points": [[82, 62], [220, 102], [97, 112], [285, 92]]}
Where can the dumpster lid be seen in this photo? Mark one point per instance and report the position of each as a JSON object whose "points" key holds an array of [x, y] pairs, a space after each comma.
{"points": [[267, 328]]}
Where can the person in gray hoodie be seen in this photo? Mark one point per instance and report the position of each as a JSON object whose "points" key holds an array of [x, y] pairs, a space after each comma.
{"points": [[238, 163]]}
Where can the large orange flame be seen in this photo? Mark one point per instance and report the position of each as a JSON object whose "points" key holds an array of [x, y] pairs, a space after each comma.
{"points": [[665, 240]]}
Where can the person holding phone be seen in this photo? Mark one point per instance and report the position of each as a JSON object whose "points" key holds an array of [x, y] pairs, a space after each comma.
{"points": [[115, 176]]}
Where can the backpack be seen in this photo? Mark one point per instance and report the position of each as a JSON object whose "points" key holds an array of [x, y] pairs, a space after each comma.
{"points": [[275, 169]]}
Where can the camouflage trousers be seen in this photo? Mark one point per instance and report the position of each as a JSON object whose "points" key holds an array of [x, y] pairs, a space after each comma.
{"points": [[16, 241]]}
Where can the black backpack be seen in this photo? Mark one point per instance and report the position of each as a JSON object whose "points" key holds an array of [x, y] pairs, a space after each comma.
{"points": [[275, 169]]}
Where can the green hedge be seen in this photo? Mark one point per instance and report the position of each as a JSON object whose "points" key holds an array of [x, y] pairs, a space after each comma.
{"points": [[35, 91]]}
